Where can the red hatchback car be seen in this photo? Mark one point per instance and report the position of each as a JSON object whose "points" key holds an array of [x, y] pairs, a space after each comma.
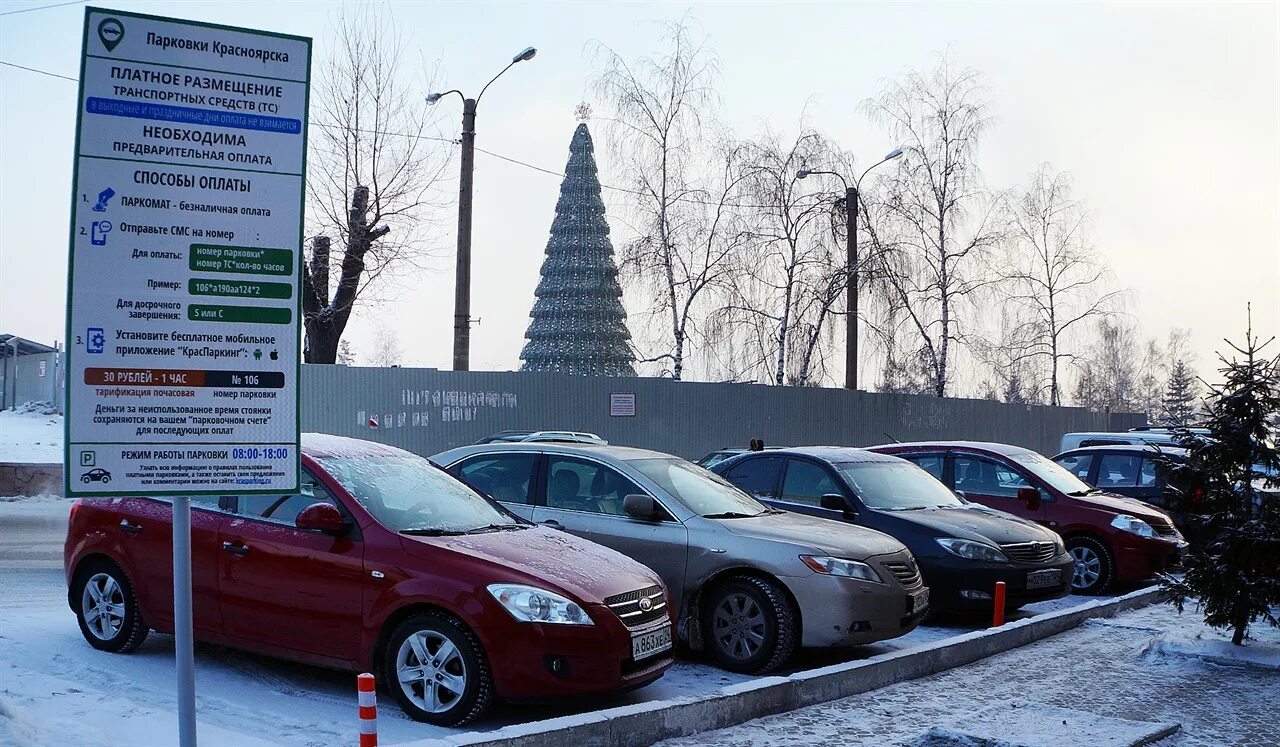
{"points": [[382, 562], [1112, 538]]}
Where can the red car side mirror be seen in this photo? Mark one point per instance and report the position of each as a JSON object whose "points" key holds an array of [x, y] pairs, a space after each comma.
{"points": [[1030, 495], [322, 517]]}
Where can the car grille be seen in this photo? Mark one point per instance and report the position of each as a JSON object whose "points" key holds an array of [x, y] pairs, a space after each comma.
{"points": [[906, 573], [1030, 552], [629, 610], [1164, 530]]}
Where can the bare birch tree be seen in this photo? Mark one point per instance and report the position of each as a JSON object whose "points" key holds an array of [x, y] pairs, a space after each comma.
{"points": [[783, 297], [1051, 272], [386, 348], [1108, 372], [659, 114], [1015, 369], [371, 174], [940, 225]]}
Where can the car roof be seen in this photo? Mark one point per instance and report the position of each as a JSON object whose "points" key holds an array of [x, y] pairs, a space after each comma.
{"points": [[329, 445], [622, 453], [987, 446], [837, 454], [1145, 448]]}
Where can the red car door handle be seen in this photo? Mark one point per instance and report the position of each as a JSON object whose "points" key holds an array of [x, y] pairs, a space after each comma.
{"points": [[129, 527], [235, 548]]}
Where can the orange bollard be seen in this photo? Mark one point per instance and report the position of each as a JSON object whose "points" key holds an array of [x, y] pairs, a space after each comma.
{"points": [[368, 711], [998, 614]]}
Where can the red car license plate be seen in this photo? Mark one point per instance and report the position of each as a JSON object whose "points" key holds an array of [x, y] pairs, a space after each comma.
{"points": [[644, 645]]}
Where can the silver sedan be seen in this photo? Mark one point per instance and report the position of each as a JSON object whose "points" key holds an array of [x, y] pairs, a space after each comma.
{"points": [[749, 583]]}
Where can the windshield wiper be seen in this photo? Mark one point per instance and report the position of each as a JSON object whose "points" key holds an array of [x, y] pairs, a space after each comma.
{"points": [[431, 532], [496, 528], [732, 515]]}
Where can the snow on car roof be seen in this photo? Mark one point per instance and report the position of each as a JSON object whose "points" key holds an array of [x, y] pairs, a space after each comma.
{"points": [[329, 445]]}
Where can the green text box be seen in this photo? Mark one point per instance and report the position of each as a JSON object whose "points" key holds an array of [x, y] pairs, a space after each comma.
{"points": [[243, 259], [238, 288], [259, 314]]}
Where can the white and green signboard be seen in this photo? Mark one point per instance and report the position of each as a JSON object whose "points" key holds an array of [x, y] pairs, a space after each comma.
{"points": [[186, 233]]}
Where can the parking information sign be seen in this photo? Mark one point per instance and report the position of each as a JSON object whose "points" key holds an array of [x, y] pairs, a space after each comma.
{"points": [[186, 233]]}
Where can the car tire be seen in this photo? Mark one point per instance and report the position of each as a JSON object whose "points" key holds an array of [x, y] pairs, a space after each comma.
{"points": [[107, 609], [450, 690], [749, 625], [1095, 567], [85, 479]]}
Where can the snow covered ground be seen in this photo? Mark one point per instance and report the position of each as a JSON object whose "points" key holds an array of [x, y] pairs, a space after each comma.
{"points": [[56, 690], [1101, 670], [30, 435]]}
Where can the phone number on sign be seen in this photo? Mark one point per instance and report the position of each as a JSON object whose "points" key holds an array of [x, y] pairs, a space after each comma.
{"points": [[261, 453]]}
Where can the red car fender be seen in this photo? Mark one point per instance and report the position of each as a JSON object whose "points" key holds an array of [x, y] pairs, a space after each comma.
{"points": [[412, 591], [93, 542]]}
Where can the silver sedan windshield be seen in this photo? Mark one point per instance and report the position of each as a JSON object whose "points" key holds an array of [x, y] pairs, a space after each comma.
{"points": [[703, 492]]}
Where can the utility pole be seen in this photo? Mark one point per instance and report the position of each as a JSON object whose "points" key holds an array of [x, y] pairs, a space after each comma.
{"points": [[462, 277], [851, 288], [462, 280], [851, 205]]}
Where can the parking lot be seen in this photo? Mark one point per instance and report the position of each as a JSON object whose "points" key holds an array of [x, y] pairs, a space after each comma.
{"points": [[53, 683]]}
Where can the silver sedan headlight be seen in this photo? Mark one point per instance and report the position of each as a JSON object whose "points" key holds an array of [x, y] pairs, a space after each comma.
{"points": [[841, 567], [531, 604]]}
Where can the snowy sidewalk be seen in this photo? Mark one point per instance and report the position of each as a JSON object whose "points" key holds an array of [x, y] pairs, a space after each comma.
{"points": [[1107, 667]]}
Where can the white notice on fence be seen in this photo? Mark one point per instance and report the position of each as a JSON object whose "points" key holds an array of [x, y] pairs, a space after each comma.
{"points": [[622, 404], [186, 228]]}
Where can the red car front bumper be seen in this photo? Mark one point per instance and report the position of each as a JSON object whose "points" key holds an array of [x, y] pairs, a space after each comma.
{"points": [[532, 661]]}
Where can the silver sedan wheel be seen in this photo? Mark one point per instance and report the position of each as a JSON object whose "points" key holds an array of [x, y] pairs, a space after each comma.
{"points": [[431, 671], [102, 605], [739, 626], [1088, 568]]}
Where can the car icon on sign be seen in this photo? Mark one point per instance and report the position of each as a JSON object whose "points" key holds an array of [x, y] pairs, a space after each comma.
{"points": [[96, 475]]}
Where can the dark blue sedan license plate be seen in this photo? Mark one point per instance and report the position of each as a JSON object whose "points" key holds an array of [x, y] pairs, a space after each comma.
{"points": [[1043, 579]]}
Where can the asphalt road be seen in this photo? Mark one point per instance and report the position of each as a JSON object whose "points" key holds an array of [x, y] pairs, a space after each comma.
{"points": [[31, 534]]}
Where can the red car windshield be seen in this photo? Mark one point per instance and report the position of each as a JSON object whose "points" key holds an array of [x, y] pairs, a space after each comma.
{"points": [[1051, 472], [409, 494]]}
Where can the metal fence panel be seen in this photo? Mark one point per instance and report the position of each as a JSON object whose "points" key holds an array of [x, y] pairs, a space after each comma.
{"points": [[427, 411], [31, 378]]}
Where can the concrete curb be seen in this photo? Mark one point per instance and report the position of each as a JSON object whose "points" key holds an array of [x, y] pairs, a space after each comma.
{"points": [[30, 479], [647, 723]]}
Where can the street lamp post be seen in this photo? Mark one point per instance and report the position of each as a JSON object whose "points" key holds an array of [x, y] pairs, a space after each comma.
{"points": [[852, 203], [462, 279]]}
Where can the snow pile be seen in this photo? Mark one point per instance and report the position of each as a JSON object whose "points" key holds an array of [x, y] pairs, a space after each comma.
{"points": [[37, 408], [1261, 649], [31, 434]]}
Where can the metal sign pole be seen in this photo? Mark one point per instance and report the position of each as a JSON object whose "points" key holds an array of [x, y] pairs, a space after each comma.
{"points": [[184, 649]]}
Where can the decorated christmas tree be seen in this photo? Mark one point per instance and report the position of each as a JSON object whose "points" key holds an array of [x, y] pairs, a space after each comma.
{"points": [[579, 325]]}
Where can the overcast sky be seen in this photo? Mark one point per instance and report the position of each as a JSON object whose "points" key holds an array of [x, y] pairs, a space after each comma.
{"points": [[1164, 114]]}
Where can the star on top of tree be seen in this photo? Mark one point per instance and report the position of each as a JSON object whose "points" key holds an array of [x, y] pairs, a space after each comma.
{"points": [[583, 112]]}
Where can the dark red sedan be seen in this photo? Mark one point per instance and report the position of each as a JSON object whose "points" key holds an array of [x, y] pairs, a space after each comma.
{"points": [[382, 562], [1112, 538]]}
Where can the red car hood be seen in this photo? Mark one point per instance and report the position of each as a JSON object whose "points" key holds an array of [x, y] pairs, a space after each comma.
{"points": [[582, 568], [1124, 505]]}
